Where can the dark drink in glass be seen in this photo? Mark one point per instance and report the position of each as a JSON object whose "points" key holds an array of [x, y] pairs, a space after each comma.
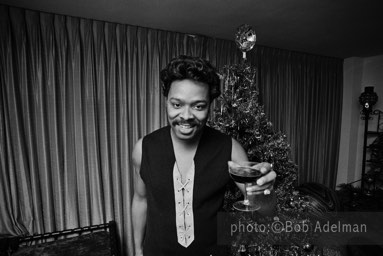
{"points": [[247, 178], [246, 173]]}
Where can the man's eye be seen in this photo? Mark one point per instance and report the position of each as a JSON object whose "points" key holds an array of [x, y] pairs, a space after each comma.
{"points": [[176, 105], [199, 107]]}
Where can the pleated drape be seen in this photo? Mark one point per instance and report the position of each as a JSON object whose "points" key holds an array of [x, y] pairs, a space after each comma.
{"points": [[302, 96], [76, 94]]}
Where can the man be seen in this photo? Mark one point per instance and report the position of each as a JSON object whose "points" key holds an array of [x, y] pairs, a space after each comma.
{"points": [[181, 169]]}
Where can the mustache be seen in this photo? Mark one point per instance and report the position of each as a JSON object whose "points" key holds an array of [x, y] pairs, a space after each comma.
{"points": [[185, 122]]}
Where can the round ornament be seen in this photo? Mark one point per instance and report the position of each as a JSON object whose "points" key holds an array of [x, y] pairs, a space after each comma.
{"points": [[245, 38], [370, 180], [308, 247]]}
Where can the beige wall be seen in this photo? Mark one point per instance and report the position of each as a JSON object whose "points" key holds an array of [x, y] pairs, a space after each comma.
{"points": [[357, 73]]}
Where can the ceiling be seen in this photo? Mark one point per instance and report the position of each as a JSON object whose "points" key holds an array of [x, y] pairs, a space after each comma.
{"points": [[337, 28]]}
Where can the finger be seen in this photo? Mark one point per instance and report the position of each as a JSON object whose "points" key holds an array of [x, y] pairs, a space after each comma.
{"points": [[266, 178], [264, 167], [265, 191], [260, 188]]}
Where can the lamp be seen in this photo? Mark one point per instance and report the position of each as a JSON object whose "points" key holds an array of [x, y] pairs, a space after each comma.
{"points": [[367, 99]]}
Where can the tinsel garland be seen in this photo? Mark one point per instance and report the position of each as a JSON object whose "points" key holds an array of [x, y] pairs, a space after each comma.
{"points": [[240, 115]]}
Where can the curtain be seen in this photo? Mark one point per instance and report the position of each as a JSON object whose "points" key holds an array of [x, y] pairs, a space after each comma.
{"points": [[302, 95], [76, 94]]}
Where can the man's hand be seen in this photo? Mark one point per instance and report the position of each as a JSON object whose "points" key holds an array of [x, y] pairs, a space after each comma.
{"points": [[264, 184]]}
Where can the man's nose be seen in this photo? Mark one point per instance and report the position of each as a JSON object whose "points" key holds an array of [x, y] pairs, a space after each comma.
{"points": [[186, 113]]}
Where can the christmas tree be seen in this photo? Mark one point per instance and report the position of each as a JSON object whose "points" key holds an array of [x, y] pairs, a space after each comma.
{"points": [[241, 116]]}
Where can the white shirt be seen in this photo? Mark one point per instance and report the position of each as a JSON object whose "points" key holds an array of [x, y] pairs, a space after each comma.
{"points": [[183, 195]]}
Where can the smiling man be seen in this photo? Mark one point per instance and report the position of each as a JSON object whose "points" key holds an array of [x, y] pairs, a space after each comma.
{"points": [[181, 169], [187, 109]]}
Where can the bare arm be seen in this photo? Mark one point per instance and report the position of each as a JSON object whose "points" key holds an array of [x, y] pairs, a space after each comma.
{"points": [[139, 204]]}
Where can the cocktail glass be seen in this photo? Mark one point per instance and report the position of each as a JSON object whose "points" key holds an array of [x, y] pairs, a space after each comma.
{"points": [[247, 174]]}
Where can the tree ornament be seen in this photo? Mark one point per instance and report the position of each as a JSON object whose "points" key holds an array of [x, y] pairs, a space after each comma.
{"points": [[245, 38], [308, 247]]}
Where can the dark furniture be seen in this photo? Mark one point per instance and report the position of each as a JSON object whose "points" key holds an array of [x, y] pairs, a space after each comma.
{"points": [[98, 240]]}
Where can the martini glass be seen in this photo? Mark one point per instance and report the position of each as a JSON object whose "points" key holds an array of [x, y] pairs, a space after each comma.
{"points": [[247, 174]]}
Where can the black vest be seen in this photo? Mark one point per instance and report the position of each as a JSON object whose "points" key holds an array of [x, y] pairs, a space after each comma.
{"points": [[211, 177]]}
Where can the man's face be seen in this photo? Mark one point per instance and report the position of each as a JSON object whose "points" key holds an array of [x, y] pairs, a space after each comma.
{"points": [[187, 107]]}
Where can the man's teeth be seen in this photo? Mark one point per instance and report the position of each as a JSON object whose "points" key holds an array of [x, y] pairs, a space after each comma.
{"points": [[185, 125]]}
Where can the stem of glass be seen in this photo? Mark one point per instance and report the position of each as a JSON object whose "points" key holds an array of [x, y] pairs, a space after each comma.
{"points": [[246, 198]]}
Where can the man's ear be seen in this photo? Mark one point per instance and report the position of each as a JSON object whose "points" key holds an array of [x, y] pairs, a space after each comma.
{"points": [[211, 106]]}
